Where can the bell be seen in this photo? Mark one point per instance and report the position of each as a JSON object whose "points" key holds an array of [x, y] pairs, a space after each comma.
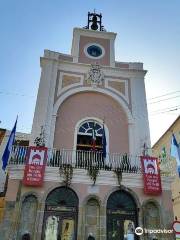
{"points": [[94, 25]]}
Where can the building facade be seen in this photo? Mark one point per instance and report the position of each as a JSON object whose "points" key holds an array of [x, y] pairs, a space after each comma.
{"points": [[162, 149], [91, 190], [21, 139]]}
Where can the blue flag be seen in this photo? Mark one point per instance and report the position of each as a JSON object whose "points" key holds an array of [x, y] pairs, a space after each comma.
{"points": [[175, 152], [8, 148], [104, 143]]}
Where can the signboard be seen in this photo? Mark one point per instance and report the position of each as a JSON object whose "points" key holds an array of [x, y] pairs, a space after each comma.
{"points": [[151, 174], [35, 166]]}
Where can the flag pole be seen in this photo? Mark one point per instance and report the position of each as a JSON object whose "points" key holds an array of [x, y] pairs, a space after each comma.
{"points": [[8, 148]]}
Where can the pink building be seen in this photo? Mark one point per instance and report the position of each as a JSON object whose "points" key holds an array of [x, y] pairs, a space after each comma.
{"points": [[81, 95]]}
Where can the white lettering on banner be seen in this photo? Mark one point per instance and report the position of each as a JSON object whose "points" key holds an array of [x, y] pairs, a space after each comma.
{"points": [[35, 166]]}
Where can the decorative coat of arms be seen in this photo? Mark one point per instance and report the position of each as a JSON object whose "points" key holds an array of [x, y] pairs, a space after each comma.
{"points": [[95, 75]]}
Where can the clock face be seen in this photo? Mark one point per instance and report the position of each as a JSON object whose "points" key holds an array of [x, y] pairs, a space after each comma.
{"points": [[94, 51]]}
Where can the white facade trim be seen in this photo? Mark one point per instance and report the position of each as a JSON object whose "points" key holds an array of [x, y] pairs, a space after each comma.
{"points": [[112, 54], [44, 102], [78, 32], [139, 110], [96, 34], [75, 46], [99, 90], [61, 90], [49, 112], [126, 96], [80, 176]]}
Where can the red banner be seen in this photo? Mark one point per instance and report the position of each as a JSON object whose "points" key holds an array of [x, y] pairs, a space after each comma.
{"points": [[151, 173], [35, 166]]}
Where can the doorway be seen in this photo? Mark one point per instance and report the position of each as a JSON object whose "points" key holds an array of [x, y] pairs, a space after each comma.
{"points": [[60, 216], [121, 216]]}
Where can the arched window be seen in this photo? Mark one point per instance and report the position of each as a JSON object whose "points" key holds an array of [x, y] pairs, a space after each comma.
{"points": [[92, 219], [28, 217], [86, 132]]}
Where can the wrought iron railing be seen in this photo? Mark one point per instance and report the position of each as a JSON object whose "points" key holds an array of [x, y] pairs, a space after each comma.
{"points": [[86, 159], [82, 159]]}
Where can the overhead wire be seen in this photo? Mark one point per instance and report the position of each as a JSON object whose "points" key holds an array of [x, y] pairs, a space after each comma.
{"points": [[171, 110], [170, 93], [16, 94], [164, 99], [167, 108], [25, 95]]}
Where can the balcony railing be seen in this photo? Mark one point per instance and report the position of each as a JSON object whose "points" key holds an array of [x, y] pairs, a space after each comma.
{"points": [[86, 159], [82, 159]]}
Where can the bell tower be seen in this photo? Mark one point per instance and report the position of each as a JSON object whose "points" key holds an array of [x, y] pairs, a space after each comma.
{"points": [[95, 22], [92, 44]]}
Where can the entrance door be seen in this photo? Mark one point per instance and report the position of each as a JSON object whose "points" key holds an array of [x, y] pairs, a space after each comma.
{"points": [[60, 215], [121, 216], [121, 227], [115, 228]]}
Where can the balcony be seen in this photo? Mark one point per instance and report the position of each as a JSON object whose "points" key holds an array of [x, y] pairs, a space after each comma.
{"points": [[79, 159], [82, 159]]}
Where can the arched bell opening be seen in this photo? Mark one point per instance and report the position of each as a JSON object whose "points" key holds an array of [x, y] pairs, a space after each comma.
{"points": [[60, 215]]}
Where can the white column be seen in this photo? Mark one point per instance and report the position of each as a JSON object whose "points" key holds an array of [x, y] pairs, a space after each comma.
{"points": [[112, 53], [45, 98], [140, 114]]}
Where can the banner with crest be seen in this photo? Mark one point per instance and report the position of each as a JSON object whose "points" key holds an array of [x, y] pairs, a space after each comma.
{"points": [[151, 175], [35, 166]]}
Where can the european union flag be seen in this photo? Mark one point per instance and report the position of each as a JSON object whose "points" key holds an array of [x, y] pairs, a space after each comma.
{"points": [[175, 152], [104, 143], [8, 148]]}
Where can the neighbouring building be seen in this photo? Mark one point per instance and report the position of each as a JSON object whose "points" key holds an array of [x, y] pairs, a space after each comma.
{"points": [[162, 149], [22, 139], [91, 189]]}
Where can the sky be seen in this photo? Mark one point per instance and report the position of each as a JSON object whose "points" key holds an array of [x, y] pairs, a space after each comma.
{"points": [[147, 31]]}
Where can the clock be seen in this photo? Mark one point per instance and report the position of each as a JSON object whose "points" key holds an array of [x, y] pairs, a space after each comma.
{"points": [[94, 51]]}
